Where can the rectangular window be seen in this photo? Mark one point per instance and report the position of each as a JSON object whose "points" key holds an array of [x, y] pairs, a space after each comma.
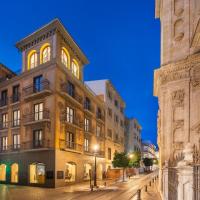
{"points": [[71, 89], [4, 143], [37, 84], [87, 103], [37, 138], [116, 119], [98, 131], [70, 115], [38, 111], [87, 125], [5, 120], [16, 118], [86, 144], [16, 141], [15, 97], [4, 98], [109, 154], [70, 140]]}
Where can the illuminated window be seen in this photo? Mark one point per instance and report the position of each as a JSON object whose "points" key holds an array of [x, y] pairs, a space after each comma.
{"points": [[38, 111], [87, 171], [70, 172], [87, 125], [32, 59], [86, 144], [2, 172], [37, 173], [75, 69], [70, 115], [70, 140], [16, 141], [4, 143], [5, 120], [65, 57], [46, 53], [14, 173], [16, 118]]}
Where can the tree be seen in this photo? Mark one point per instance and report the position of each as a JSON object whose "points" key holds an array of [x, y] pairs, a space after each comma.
{"points": [[135, 159], [121, 160], [148, 162]]}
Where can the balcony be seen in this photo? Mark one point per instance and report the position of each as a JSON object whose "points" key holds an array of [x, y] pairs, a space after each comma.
{"points": [[16, 123], [37, 90], [76, 122], [100, 116], [72, 95], [70, 146], [89, 151], [15, 98], [89, 129], [3, 102], [4, 125], [24, 146], [37, 117], [88, 108]]}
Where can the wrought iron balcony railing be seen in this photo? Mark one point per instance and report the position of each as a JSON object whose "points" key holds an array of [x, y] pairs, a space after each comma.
{"points": [[69, 145], [15, 98], [37, 88], [40, 116], [71, 93], [3, 102]]}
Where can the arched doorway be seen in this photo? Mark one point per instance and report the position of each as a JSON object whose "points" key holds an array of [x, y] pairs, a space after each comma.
{"points": [[2, 172], [37, 173], [99, 171], [70, 172], [87, 171], [14, 173]]}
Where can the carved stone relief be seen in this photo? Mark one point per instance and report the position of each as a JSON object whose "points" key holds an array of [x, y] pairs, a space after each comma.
{"points": [[178, 30], [178, 98], [178, 7]]}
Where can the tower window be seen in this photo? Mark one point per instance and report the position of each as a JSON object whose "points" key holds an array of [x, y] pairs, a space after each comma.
{"points": [[32, 60], [75, 69], [65, 57], [46, 53]]}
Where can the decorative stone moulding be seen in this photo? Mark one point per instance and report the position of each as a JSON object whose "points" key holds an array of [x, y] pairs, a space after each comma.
{"points": [[179, 37], [178, 7], [178, 30]]}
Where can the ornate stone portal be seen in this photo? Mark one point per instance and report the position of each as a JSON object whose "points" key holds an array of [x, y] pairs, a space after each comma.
{"points": [[177, 86]]}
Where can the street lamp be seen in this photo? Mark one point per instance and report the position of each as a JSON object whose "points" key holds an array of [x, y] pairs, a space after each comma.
{"points": [[130, 156], [95, 148]]}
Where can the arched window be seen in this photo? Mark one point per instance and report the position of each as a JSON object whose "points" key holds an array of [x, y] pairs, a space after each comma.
{"points": [[75, 68], [37, 173], [32, 59], [2, 172], [14, 173], [45, 53], [65, 57]]}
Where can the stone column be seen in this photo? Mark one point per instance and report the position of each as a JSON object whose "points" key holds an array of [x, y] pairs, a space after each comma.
{"points": [[164, 183], [185, 175]]}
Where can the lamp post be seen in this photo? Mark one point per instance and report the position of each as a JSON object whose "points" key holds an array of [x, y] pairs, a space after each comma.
{"points": [[96, 148]]}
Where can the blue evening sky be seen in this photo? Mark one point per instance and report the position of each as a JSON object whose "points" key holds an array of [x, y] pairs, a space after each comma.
{"points": [[120, 38]]}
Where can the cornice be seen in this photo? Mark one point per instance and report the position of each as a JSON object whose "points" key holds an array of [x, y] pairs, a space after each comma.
{"points": [[54, 27]]}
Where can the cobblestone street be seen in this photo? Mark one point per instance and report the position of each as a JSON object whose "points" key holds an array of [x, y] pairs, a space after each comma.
{"points": [[81, 191]]}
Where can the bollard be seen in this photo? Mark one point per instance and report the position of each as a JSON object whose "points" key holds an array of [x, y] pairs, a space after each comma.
{"points": [[92, 188], [145, 188], [139, 194], [150, 183]]}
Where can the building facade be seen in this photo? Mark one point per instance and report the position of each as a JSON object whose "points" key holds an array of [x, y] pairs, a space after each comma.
{"points": [[114, 117], [50, 121], [132, 135], [148, 150], [177, 86]]}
